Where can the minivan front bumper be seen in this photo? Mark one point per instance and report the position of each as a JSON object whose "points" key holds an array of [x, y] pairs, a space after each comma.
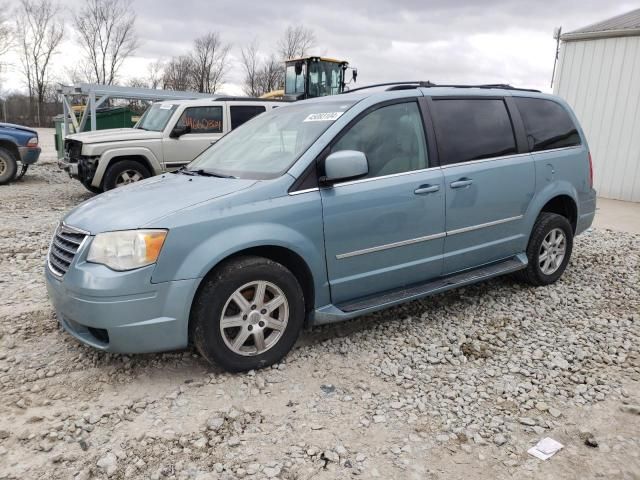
{"points": [[122, 312]]}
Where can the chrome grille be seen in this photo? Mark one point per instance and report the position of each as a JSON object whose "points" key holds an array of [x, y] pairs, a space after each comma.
{"points": [[64, 246]]}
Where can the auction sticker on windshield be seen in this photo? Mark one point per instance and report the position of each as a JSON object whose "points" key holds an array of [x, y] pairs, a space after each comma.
{"points": [[323, 117]]}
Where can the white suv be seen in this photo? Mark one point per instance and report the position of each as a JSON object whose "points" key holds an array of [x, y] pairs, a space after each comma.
{"points": [[169, 135]]}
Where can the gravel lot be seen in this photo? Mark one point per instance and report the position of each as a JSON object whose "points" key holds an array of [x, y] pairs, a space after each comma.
{"points": [[458, 385]]}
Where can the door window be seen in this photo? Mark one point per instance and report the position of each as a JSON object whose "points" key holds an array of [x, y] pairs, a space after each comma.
{"points": [[472, 129], [547, 123], [202, 119], [243, 113], [391, 137]]}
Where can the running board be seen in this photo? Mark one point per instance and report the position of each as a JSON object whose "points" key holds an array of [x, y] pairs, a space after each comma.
{"points": [[344, 311]]}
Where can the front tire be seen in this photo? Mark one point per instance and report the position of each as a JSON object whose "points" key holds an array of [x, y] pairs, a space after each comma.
{"points": [[8, 166], [248, 314], [549, 249], [123, 173]]}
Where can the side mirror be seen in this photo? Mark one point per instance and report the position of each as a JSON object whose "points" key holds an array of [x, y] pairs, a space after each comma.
{"points": [[298, 68], [354, 75], [177, 132], [344, 165]]}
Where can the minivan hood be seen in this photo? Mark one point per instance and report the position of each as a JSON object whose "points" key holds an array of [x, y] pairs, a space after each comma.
{"points": [[140, 203], [115, 135]]}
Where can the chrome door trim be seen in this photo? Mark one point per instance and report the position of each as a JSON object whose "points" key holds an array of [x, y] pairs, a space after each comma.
{"points": [[306, 190], [399, 174], [483, 225], [427, 238], [483, 160], [390, 245]]}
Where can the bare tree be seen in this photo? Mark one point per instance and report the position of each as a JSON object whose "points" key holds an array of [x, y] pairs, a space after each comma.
{"points": [[107, 33], [6, 34], [251, 64], [261, 75], [296, 42], [39, 31], [155, 71], [179, 74], [80, 72], [210, 62], [271, 75]]}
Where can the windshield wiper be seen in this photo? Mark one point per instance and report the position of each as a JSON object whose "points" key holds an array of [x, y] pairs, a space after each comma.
{"points": [[204, 173]]}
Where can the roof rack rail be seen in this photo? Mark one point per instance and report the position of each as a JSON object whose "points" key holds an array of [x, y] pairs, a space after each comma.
{"points": [[230, 98], [392, 86]]}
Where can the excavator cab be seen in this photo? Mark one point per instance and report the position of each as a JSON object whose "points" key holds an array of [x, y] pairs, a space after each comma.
{"points": [[311, 77]]}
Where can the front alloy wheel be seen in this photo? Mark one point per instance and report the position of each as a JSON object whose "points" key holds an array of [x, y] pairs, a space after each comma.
{"points": [[247, 314], [127, 177], [254, 318]]}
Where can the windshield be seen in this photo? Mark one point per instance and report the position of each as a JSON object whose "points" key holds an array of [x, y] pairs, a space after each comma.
{"points": [[267, 145], [156, 117], [325, 78]]}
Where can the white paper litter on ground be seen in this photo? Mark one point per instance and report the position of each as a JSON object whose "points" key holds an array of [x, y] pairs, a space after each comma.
{"points": [[545, 448]]}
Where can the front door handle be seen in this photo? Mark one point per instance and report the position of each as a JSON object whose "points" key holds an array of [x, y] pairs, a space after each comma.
{"points": [[424, 189], [463, 182]]}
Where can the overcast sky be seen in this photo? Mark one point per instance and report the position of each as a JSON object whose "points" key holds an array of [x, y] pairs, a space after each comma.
{"points": [[454, 41]]}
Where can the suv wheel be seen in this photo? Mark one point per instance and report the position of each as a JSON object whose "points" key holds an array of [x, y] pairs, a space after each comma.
{"points": [[123, 173], [8, 166], [549, 249], [92, 189], [248, 314]]}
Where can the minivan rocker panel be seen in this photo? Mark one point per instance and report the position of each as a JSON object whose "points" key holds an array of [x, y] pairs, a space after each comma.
{"points": [[257, 243]]}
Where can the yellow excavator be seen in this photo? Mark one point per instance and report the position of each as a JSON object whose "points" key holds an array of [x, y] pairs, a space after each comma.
{"points": [[310, 77]]}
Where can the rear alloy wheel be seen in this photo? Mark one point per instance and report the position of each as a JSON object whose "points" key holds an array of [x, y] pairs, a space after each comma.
{"points": [[8, 166], [549, 249], [124, 173], [247, 314], [552, 251]]}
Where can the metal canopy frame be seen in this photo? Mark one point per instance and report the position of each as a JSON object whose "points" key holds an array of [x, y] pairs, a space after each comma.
{"points": [[98, 94]]}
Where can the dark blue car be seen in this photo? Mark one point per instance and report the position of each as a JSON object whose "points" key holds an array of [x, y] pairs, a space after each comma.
{"points": [[17, 145]]}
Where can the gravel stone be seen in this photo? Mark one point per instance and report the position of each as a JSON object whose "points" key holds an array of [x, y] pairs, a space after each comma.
{"points": [[492, 362]]}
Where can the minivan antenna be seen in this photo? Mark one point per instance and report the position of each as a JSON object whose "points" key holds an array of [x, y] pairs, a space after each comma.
{"points": [[556, 35]]}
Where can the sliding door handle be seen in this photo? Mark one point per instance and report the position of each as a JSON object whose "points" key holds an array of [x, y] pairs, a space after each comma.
{"points": [[424, 189], [463, 182]]}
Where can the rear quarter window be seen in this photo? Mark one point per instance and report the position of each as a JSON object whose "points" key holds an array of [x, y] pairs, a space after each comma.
{"points": [[547, 123], [243, 113]]}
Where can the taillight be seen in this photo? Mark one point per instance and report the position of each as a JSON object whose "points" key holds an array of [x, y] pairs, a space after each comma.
{"points": [[33, 142], [590, 170]]}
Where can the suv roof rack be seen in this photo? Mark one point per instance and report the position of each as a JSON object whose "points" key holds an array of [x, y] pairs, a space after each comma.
{"points": [[427, 84], [230, 98]]}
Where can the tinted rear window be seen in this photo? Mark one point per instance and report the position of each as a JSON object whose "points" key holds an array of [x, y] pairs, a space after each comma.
{"points": [[472, 129], [243, 113], [547, 123]]}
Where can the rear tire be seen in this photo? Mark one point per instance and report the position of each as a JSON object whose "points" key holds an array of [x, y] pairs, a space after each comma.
{"points": [[549, 250], [123, 173], [8, 166], [247, 314]]}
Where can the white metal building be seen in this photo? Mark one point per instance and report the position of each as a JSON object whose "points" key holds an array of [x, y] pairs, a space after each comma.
{"points": [[599, 75]]}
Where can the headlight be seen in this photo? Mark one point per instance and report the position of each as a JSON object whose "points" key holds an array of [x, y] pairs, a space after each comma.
{"points": [[127, 249]]}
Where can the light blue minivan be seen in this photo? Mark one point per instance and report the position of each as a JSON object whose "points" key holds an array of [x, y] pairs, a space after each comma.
{"points": [[325, 210]]}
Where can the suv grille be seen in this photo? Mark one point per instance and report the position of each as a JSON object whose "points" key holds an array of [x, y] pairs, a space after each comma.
{"points": [[66, 243]]}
